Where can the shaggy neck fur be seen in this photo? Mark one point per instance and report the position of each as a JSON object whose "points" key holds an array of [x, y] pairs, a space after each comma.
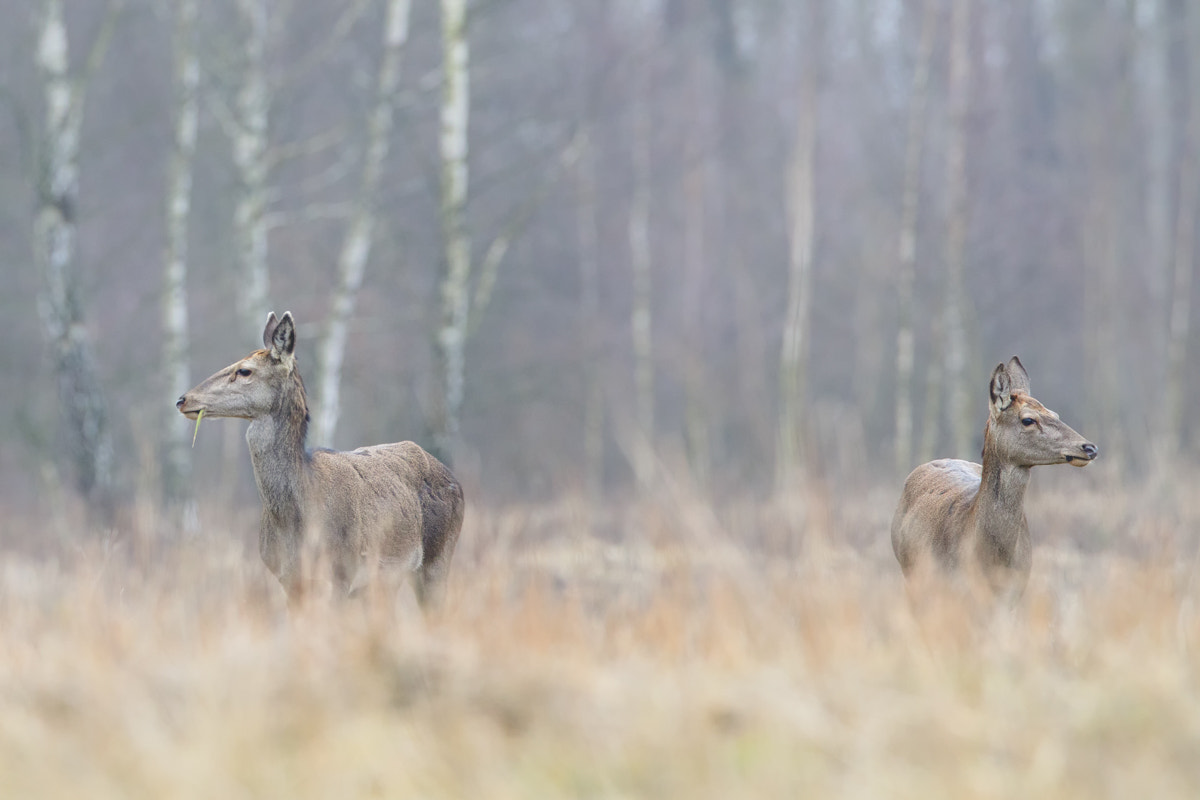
{"points": [[1000, 507], [277, 450]]}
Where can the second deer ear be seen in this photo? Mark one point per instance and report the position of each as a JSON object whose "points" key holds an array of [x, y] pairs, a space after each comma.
{"points": [[269, 330], [1001, 389], [1018, 375], [283, 338]]}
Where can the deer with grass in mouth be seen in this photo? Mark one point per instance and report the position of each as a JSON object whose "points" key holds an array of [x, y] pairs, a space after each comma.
{"points": [[388, 508]]}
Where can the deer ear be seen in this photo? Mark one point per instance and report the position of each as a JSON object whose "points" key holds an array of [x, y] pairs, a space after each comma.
{"points": [[283, 338], [1020, 378], [1001, 389], [269, 330]]}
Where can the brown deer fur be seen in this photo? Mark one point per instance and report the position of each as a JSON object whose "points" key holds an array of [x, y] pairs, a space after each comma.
{"points": [[385, 506], [968, 520]]}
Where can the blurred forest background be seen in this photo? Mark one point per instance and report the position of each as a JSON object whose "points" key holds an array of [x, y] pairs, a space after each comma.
{"points": [[568, 242]]}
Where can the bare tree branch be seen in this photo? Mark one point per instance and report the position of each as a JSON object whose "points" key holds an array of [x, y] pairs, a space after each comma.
{"points": [[515, 225], [337, 34], [356, 244], [309, 212], [97, 52], [311, 146]]}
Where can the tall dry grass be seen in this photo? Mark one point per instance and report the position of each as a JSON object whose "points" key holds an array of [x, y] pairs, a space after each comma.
{"points": [[663, 648]]}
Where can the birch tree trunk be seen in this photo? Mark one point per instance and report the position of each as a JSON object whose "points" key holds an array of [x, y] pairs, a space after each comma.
{"points": [[356, 246], [641, 317], [695, 189], [1183, 266], [909, 217], [85, 438], [697, 415], [250, 158], [451, 336], [1154, 48], [249, 132], [588, 233], [1108, 240], [176, 470], [954, 314], [800, 202]]}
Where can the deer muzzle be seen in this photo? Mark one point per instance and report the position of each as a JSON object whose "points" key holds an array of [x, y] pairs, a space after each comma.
{"points": [[182, 405], [1087, 455]]}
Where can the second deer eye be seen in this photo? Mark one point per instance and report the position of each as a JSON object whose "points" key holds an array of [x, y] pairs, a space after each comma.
{"points": [[1027, 421], [245, 373]]}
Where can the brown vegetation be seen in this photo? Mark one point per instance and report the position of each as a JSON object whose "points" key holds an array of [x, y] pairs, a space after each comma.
{"points": [[670, 649]]}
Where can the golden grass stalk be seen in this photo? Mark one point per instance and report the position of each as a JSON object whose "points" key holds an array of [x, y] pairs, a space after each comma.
{"points": [[196, 432]]}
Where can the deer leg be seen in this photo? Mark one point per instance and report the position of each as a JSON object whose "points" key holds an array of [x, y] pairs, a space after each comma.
{"points": [[429, 583]]}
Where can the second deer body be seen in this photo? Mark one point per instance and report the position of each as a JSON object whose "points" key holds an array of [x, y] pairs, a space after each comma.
{"points": [[390, 506], [968, 520]]}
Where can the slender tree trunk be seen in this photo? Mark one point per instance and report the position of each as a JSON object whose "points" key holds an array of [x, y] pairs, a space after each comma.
{"points": [[801, 204], [909, 217], [751, 419], [176, 467], [250, 158], [954, 314], [697, 426], [356, 246], [1160, 144], [587, 230], [1108, 236], [250, 145], [456, 259], [1183, 261], [695, 189], [641, 318], [85, 433]]}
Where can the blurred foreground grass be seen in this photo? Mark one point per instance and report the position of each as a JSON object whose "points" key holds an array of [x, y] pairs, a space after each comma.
{"points": [[653, 650]]}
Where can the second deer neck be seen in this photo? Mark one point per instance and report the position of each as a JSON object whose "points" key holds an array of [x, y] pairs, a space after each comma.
{"points": [[1000, 505]]}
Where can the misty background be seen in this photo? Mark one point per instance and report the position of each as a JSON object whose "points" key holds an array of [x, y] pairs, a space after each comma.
{"points": [[745, 242]]}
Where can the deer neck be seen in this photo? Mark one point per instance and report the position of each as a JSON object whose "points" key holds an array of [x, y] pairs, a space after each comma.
{"points": [[1000, 509], [279, 456]]}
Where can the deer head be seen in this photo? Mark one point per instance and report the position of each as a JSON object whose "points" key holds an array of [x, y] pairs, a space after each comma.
{"points": [[254, 386], [1022, 431]]}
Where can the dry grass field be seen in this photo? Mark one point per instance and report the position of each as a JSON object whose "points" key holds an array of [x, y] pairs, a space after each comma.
{"points": [[667, 649]]}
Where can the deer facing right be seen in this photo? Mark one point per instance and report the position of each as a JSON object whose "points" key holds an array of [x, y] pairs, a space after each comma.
{"points": [[968, 520]]}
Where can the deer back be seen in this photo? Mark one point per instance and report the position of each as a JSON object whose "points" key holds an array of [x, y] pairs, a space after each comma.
{"points": [[380, 500]]}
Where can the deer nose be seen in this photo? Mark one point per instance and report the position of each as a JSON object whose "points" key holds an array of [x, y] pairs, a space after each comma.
{"points": [[179, 404], [1090, 450]]}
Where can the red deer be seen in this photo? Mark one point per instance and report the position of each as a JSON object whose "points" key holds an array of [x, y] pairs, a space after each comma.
{"points": [[385, 507], [968, 520]]}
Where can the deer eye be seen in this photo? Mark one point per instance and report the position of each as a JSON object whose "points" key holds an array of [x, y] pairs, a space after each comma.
{"points": [[1027, 421], [245, 373]]}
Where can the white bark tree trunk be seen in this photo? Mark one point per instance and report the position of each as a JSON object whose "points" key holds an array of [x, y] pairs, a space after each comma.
{"points": [[356, 246], [451, 335], [954, 315], [1154, 48], [588, 233], [1183, 260], [909, 217], [86, 437], [801, 204], [641, 318], [176, 461], [695, 187], [250, 158]]}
